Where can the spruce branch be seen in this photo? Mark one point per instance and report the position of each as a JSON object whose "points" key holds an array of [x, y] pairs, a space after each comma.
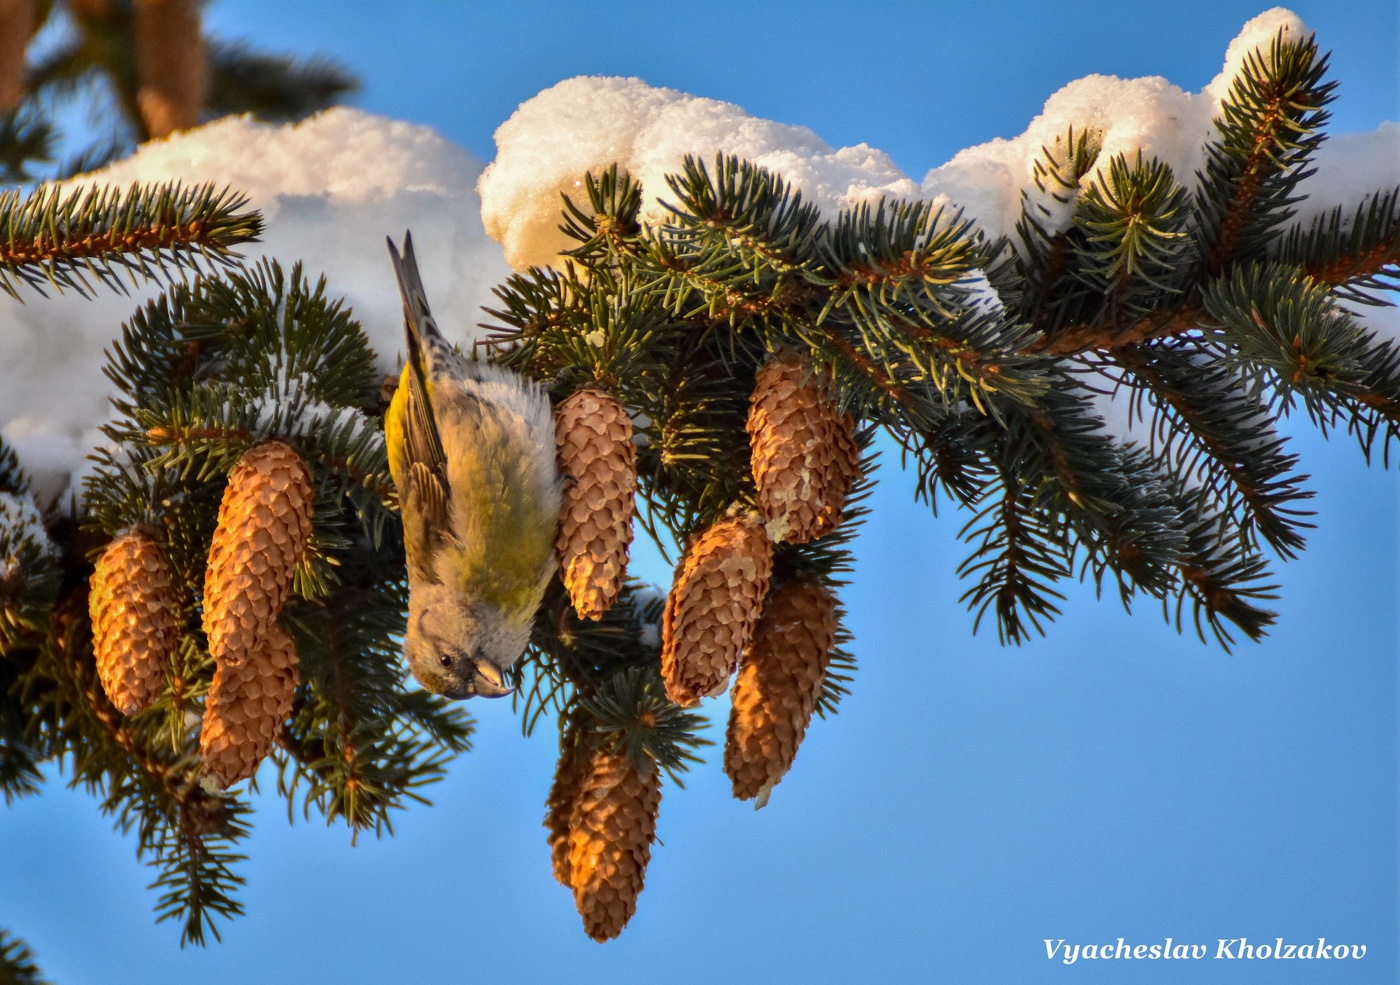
{"points": [[26, 139], [19, 762], [1046, 258], [272, 87], [361, 744], [29, 564], [76, 239], [1357, 255], [1222, 579], [1269, 126], [609, 230], [1289, 329], [1134, 220], [628, 712], [1017, 557], [187, 831], [17, 962], [1210, 428]]}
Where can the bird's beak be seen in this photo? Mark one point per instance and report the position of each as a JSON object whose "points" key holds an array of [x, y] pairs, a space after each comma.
{"points": [[489, 681]]}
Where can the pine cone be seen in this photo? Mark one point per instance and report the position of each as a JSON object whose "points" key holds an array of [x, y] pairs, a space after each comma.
{"points": [[804, 456], [614, 824], [134, 620], [594, 437], [246, 706], [559, 806], [172, 64], [264, 525], [778, 685], [713, 606]]}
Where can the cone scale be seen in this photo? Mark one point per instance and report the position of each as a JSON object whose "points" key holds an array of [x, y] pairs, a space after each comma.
{"points": [[560, 805], [777, 688], [246, 706], [712, 608], [263, 529], [593, 435], [613, 826], [135, 624], [804, 455]]}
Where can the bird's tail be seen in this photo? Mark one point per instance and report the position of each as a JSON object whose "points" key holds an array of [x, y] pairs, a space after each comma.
{"points": [[418, 320]]}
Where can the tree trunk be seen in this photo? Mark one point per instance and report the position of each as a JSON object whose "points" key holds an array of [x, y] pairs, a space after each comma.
{"points": [[174, 77], [18, 22]]}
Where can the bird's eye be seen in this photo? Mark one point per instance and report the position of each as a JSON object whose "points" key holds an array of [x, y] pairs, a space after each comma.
{"points": [[445, 660]]}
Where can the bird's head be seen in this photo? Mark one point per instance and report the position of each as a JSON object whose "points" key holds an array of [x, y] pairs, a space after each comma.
{"points": [[460, 647]]}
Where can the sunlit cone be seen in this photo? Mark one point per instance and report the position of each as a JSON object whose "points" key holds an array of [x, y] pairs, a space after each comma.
{"points": [[804, 454], [594, 437], [172, 66], [264, 525], [778, 685], [134, 620], [712, 608], [563, 797], [18, 21], [246, 706], [614, 824]]}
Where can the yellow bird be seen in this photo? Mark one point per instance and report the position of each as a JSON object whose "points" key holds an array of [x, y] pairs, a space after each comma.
{"points": [[471, 450]]}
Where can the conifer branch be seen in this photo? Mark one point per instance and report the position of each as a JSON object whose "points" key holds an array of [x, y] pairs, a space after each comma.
{"points": [[1083, 337], [17, 962], [1050, 244], [1209, 425], [1018, 557], [1358, 254], [1290, 329], [1269, 126], [80, 238], [1222, 580], [185, 829]]}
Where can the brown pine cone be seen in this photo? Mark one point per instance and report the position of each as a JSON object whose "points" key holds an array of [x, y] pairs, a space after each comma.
{"points": [[593, 435], [135, 624], [264, 526], [172, 65], [614, 824], [19, 19], [804, 456], [778, 685], [712, 608], [246, 706], [563, 797]]}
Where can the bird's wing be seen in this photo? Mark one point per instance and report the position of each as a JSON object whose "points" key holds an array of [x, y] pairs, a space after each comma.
{"points": [[424, 341], [416, 453]]}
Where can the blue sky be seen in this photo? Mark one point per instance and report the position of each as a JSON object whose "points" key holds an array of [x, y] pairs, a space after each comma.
{"points": [[969, 801]]}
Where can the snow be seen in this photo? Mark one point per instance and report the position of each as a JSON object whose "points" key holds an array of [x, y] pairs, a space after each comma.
{"points": [[587, 123], [332, 187], [289, 408], [644, 597], [20, 520], [1350, 167]]}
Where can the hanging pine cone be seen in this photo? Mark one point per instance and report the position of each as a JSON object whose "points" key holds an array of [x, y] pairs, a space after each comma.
{"points": [[594, 438], [614, 824], [804, 456], [247, 704], [134, 620], [712, 608], [563, 797], [264, 525], [778, 685]]}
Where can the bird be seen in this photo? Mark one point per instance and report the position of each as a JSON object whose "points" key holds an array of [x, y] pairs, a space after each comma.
{"points": [[472, 453]]}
